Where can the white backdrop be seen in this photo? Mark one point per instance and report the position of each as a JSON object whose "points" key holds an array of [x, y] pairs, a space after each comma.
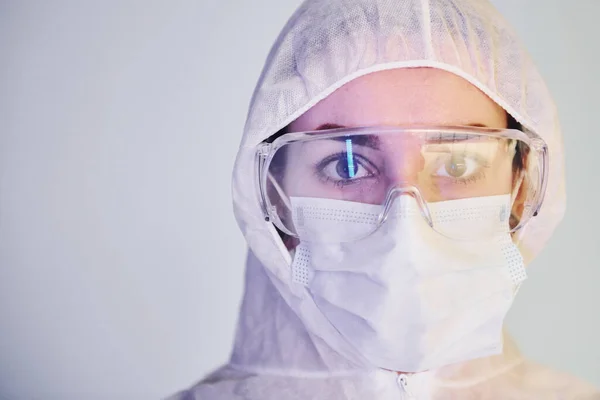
{"points": [[120, 261]]}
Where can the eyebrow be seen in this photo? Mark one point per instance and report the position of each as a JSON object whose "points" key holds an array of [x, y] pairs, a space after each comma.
{"points": [[371, 141], [329, 125], [478, 125]]}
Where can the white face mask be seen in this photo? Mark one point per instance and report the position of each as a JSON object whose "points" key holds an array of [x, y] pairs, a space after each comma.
{"points": [[407, 298]]}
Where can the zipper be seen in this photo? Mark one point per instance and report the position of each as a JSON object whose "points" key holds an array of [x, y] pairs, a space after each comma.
{"points": [[405, 387]]}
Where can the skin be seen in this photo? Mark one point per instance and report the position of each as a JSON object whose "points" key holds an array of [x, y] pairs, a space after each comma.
{"points": [[415, 96]]}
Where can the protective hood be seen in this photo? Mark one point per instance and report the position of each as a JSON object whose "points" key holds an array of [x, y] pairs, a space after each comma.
{"points": [[324, 45]]}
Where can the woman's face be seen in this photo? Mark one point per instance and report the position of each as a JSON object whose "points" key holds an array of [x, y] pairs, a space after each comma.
{"points": [[402, 97]]}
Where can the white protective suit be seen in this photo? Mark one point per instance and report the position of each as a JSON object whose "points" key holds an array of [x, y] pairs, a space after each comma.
{"points": [[326, 44]]}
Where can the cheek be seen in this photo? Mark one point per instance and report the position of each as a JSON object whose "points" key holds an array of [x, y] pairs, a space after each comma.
{"points": [[504, 180], [500, 181], [301, 181], [500, 184]]}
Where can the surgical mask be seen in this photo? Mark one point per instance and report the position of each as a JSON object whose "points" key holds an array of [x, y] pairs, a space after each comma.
{"points": [[405, 297]]}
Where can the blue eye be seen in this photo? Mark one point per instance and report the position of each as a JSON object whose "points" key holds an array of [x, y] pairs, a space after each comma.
{"points": [[347, 168], [343, 168]]}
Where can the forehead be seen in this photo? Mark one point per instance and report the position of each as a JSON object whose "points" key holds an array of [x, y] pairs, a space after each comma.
{"points": [[409, 96]]}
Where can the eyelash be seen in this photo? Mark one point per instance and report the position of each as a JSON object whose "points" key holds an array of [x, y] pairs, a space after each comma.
{"points": [[483, 164], [319, 166], [471, 179]]}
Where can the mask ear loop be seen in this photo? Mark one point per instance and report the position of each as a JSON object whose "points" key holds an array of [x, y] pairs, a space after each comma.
{"points": [[286, 202], [517, 235], [512, 203], [513, 196], [515, 193], [280, 192]]}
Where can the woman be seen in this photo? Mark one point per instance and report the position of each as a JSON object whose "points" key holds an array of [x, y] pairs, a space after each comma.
{"points": [[401, 164]]}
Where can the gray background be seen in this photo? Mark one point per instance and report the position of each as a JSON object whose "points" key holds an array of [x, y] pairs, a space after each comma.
{"points": [[120, 260]]}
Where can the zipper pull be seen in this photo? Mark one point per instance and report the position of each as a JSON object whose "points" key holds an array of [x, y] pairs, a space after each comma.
{"points": [[403, 383]]}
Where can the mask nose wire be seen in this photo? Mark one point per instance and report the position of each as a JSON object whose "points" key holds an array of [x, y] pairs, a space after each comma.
{"points": [[398, 191]]}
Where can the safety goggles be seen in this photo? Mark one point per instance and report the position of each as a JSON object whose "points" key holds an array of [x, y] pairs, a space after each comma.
{"points": [[373, 166]]}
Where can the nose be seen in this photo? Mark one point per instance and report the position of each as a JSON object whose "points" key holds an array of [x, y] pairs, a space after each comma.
{"points": [[404, 161], [395, 194]]}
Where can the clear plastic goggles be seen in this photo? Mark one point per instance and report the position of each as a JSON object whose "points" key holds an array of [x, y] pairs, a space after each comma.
{"points": [[374, 165]]}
